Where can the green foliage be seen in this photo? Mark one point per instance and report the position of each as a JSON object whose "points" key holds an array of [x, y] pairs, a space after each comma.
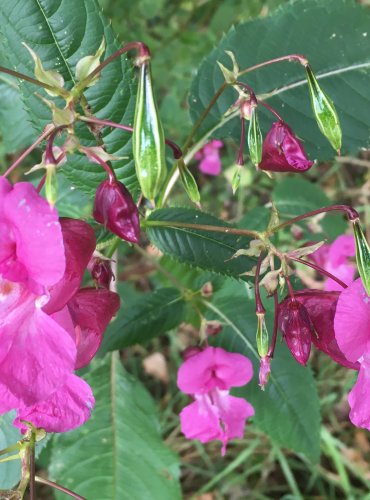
{"points": [[143, 318], [61, 33], [207, 250], [10, 472], [340, 58], [118, 453]]}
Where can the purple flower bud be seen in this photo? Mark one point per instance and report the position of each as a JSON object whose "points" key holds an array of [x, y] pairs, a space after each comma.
{"points": [[101, 271], [297, 328], [282, 151], [115, 208]]}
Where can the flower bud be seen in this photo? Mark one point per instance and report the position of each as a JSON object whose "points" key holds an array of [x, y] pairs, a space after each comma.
{"points": [[362, 255], [148, 137], [282, 151], [264, 373], [101, 271], [262, 336], [115, 208], [255, 137], [324, 111], [188, 182], [236, 179], [297, 328], [213, 328]]}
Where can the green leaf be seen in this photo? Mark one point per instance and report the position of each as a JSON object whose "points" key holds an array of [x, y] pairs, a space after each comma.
{"points": [[208, 250], [10, 472], [339, 57], [118, 454], [143, 318], [295, 196], [288, 411], [62, 32]]}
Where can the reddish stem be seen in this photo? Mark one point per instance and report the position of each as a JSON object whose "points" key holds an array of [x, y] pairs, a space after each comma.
{"points": [[320, 270], [240, 159], [271, 350], [59, 487], [43, 179], [272, 110], [107, 168], [259, 305], [21, 76], [250, 90], [291, 57], [177, 153], [290, 288]]}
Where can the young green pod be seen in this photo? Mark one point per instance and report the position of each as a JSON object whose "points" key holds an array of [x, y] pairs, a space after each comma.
{"points": [[51, 184], [188, 182], [324, 111], [262, 336], [362, 255], [255, 138], [148, 137]]}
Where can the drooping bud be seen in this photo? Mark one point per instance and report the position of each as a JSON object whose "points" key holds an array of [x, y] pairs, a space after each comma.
{"points": [[297, 328], [188, 182], [262, 336], [101, 271], [282, 151], [255, 138], [324, 111], [115, 208], [148, 137], [264, 373], [362, 255], [213, 328]]}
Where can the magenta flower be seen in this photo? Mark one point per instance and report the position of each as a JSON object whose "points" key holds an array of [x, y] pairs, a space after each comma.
{"points": [[209, 156], [334, 258], [282, 151], [352, 332], [116, 210], [207, 376]]}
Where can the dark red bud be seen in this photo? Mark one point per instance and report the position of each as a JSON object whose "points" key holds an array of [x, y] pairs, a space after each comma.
{"points": [[213, 328], [297, 328], [282, 151], [101, 271], [115, 208]]}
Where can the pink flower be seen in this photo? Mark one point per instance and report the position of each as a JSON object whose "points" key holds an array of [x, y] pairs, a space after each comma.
{"points": [[282, 151], [334, 258], [209, 156], [208, 375], [352, 331]]}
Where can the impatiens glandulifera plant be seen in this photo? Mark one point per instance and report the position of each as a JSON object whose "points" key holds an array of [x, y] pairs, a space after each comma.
{"points": [[43, 257]]}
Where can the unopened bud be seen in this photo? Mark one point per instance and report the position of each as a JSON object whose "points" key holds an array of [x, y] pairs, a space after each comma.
{"points": [[188, 182], [213, 328], [262, 336], [324, 111], [101, 271], [207, 290], [255, 138], [264, 373], [297, 328], [362, 255], [115, 208], [236, 179]]}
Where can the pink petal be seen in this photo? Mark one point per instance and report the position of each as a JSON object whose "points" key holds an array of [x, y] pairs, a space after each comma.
{"points": [[67, 408], [199, 420], [39, 358], [352, 321], [37, 237], [345, 272], [5, 188], [91, 311], [79, 244], [213, 367], [358, 398], [341, 248], [211, 164]]}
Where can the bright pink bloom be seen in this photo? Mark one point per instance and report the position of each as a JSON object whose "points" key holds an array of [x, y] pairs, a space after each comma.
{"points": [[31, 250], [352, 331], [208, 376], [209, 156], [334, 258], [282, 151]]}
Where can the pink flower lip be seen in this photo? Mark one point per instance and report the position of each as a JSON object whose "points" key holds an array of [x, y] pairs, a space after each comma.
{"points": [[209, 156]]}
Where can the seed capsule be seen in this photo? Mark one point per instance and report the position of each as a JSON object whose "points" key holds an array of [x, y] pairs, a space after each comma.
{"points": [[255, 138], [362, 255]]}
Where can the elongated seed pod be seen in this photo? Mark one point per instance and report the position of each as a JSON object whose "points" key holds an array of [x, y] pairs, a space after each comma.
{"points": [[255, 138], [148, 137], [362, 255]]}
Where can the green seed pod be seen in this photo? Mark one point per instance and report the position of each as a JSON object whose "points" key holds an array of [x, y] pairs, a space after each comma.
{"points": [[236, 179], [362, 255], [255, 138], [262, 336], [51, 184], [188, 182], [324, 111], [148, 137]]}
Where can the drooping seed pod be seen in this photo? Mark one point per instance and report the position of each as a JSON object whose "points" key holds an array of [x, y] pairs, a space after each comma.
{"points": [[115, 208], [255, 138], [324, 111], [148, 137], [362, 255], [262, 336]]}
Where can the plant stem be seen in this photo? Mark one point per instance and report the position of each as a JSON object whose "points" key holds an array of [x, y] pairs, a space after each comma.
{"points": [[31, 484], [272, 110], [259, 305], [320, 270], [291, 57], [19, 160], [350, 212], [21, 76], [240, 158], [107, 168], [59, 487], [177, 153], [203, 227], [271, 350]]}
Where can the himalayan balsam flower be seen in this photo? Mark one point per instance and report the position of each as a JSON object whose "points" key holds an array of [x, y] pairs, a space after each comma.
{"points": [[207, 376], [282, 151], [352, 332], [209, 156], [335, 259]]}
